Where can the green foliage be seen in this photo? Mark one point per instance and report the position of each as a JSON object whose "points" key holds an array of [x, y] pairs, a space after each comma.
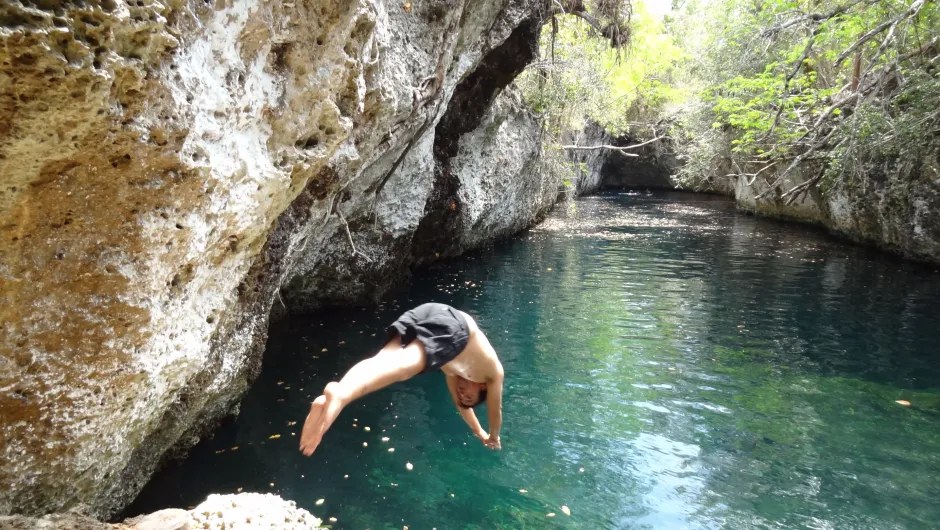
{"points": [[778, 79], [579, 75]]}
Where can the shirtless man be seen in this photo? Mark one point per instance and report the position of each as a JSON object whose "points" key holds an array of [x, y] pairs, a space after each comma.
{"points": [[428, 338]]}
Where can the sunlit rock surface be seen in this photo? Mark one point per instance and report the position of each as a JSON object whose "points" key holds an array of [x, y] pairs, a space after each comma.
{"points": [[245, 511], [166, 167]]}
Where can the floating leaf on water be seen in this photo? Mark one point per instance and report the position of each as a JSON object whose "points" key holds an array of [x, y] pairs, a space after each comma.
{"points": [[409, 466], [904, 402], [274, 437], [320, 501], [566, 510]]}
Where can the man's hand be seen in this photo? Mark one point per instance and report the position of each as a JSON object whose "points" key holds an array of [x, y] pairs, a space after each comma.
{"points": [[491, 442]]}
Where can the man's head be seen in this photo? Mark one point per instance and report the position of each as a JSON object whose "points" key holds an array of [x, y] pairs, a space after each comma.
{"points": [[470, 394]]}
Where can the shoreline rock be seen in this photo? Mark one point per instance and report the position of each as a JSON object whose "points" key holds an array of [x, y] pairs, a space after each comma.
{"points": [[243, 511]]}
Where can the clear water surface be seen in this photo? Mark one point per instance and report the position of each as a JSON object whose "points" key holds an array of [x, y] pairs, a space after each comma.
{"points": [[670, 364]]}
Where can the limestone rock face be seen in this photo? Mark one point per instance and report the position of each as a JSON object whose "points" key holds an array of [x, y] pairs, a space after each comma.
{"points": [[895, 207], [167, 166], [588, 164]]}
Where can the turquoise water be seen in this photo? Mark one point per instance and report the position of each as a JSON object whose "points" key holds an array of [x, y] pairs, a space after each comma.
{"points": [[670, 364]]}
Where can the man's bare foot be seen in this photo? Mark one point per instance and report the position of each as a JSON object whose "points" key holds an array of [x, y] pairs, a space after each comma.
{"points": [[310, 437], [323, 412]]}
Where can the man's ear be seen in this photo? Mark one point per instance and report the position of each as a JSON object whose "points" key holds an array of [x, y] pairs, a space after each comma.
{"points": [[482, 387]]}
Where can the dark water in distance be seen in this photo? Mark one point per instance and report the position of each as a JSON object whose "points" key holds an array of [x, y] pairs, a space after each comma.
{"points": [[706, 369]]}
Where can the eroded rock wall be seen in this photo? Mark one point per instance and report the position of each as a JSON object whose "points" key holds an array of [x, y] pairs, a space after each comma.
{"points": [[895, 206], [167, 166], [587, 164]]}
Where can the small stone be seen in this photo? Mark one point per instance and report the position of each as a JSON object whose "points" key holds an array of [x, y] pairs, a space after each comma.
{"points": [[171, 519], [523, 491], [333, 519], [345, 476], [581, 470], [550, 514], [320, 501], [452, 495], [904, 402], [272, 484], [385, 438], [365, 444], [274, 437], [239, 490], [391, 449], [323, 350], [409, 466], [566, 510]]}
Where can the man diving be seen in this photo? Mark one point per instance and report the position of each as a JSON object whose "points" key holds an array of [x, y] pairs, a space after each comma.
{"points": [[429, 337]]}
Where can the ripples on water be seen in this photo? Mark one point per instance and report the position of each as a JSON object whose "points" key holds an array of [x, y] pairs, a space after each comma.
{"points": [[705, 369]]}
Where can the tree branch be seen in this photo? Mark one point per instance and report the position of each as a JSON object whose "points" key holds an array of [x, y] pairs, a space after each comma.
{"points": [[911, 11], [815, 17], [596, 147], [620, 149]]}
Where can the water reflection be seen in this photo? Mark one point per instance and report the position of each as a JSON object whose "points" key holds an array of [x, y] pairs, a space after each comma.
{"points": [[706, 370]]}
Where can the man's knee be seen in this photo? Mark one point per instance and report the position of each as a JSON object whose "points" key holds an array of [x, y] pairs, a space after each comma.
{"points": [[335, 391]]}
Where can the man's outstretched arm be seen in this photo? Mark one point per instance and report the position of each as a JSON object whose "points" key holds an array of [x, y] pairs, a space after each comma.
{"points": [[466, 413], [494, 409]]}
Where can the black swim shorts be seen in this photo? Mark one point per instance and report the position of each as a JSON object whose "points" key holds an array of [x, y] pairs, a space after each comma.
{"points": [[442, 329]]}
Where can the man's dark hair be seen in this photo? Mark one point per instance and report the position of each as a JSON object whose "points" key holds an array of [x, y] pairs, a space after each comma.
{"points": [[480, 399]]}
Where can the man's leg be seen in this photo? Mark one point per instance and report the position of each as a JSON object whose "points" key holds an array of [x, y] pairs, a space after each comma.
{"points": [[392, 364]]}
